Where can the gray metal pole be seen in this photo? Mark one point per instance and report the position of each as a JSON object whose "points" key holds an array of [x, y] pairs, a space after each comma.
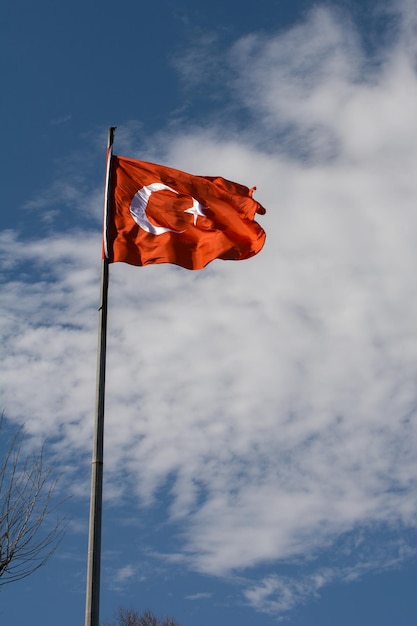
{"points": [[92, 604]]}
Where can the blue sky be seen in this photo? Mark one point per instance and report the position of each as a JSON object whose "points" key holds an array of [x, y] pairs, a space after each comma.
{"points": [[261, 435]]}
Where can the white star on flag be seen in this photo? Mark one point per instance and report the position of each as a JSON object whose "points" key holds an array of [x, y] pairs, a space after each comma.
{"points": [[196, 210]]}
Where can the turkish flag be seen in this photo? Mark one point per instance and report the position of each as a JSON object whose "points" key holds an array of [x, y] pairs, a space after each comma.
{"points": [[161, 215]]}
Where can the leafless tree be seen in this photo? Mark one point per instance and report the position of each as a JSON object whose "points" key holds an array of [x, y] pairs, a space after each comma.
{"points": [[30, 530], [130, 617]]}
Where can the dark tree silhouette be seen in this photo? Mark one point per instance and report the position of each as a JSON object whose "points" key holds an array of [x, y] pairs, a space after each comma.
{"points": [[30, 530], [131, 617]]}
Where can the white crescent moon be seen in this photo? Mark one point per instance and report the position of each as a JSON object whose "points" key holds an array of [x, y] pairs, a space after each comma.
{"points": [[138, 208]]}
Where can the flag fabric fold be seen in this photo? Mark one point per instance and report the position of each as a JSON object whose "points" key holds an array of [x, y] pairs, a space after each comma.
{"points": [[161, 215]]}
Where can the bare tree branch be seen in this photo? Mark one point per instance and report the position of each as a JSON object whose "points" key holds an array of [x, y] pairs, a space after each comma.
{"points": [[29, 529], [131, 617]]}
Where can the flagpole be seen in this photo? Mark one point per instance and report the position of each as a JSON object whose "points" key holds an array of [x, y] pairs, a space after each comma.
{"points": [[92, 605]]}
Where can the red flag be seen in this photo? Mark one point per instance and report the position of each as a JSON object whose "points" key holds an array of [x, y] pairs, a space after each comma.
{"points": [[161, 215]]}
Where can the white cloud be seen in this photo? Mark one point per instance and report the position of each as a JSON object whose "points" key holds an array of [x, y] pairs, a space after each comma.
{"points": [[279, 394], [122, 574], [277, 595], [199, 596]]}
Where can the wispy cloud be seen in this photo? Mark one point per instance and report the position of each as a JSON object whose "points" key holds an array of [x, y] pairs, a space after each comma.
{"points": [[119, 577], [124, 573], [199, 596], [277, 595], [57, 121]]}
